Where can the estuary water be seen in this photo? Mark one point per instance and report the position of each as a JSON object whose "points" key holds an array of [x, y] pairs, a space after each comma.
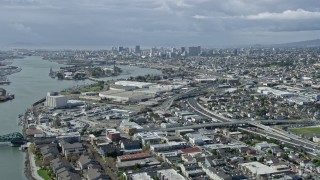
{"points": [[28, 86]]}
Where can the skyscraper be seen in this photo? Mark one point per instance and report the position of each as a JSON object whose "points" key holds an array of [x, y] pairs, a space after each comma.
{"points": [[137, 49], [183, 49], [194, 51]]}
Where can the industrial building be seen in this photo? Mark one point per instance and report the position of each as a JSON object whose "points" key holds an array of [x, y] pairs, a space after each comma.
{"points": [[170, 174], [134, 84], [261, 171], [275, 92], [167, 146], [148, 137], [55, 100], [125, 96], [130, 127]]}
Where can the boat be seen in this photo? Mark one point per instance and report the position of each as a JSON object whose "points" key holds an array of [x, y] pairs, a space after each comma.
{"points": [[6, 97]]}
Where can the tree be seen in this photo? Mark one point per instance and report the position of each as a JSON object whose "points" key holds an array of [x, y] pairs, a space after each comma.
{"points": [[60, 76], [261, 159], [146, 147], [32, 148], [137, 167], [73, 158], [131, 133]]}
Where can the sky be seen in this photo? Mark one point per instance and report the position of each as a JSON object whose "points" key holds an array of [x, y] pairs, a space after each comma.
{"points": [[208, 23]]}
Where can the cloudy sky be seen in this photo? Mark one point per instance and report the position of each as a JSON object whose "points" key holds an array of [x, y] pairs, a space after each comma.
{"points": [[157, 22]]}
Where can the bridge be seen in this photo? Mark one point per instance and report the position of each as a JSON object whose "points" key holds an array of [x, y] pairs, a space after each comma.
{"points": [[11, 137]]}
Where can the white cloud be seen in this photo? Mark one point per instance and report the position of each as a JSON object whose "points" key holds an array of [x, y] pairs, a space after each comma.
{"points": [[21, 28], [200, 17], [298, 14], [114, 21]]}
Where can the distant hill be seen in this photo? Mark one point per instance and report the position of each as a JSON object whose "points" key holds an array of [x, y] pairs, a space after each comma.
{"points": [[308, 43]]}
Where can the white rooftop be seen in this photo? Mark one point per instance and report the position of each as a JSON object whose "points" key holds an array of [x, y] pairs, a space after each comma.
{"points": [[258, 168]]}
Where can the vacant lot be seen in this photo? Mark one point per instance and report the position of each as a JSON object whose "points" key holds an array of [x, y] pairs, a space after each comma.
{"points": [[313, 130]]}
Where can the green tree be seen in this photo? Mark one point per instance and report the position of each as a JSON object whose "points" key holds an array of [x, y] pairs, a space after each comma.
{"points": [[60, 75], [32, 148], [146, 147]]}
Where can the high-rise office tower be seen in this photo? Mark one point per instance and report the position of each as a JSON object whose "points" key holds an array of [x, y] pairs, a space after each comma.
{"points": [[194, 51], [137, 49]]}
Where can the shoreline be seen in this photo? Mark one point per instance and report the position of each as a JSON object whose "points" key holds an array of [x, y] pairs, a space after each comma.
{"points": [[29, 172], [27, 168]]}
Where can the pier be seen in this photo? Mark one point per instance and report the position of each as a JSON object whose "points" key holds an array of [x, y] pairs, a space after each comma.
{"points": [[39, 101], [5, 82]]}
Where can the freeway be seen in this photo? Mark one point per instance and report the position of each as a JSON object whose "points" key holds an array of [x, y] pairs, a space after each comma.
{"points": [[285, 136], [191, 92], [309, 147], [168, 103], [221, 121], [278, 134], [228, 124], [192, 102]]}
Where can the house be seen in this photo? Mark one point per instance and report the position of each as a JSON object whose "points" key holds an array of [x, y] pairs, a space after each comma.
{"points": [[244, 150], [60, 165], [84, 161], [172, 138], [263, 146], [191, 170], [150, 162], [316, 138], [188, 159], [113, 135], [49, 152], [223, 173], [68, 175], [95, 174], [109, 150], [211, 162], [167, 146], [198, 139], [139, 176], [72, 149], [130, 146]]}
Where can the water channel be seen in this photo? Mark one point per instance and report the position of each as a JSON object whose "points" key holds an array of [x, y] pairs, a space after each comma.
{"points": [[30, 85]]}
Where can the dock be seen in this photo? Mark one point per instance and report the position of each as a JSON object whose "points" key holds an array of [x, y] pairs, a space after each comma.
{"points": [[5, 82]]}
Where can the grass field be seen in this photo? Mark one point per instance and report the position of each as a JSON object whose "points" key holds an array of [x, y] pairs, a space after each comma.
{"points": [[313, 130], [44, 174]]}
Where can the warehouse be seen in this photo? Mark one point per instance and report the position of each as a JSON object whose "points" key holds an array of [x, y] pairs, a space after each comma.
{"points": [[134, 84], [125, 96]]}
